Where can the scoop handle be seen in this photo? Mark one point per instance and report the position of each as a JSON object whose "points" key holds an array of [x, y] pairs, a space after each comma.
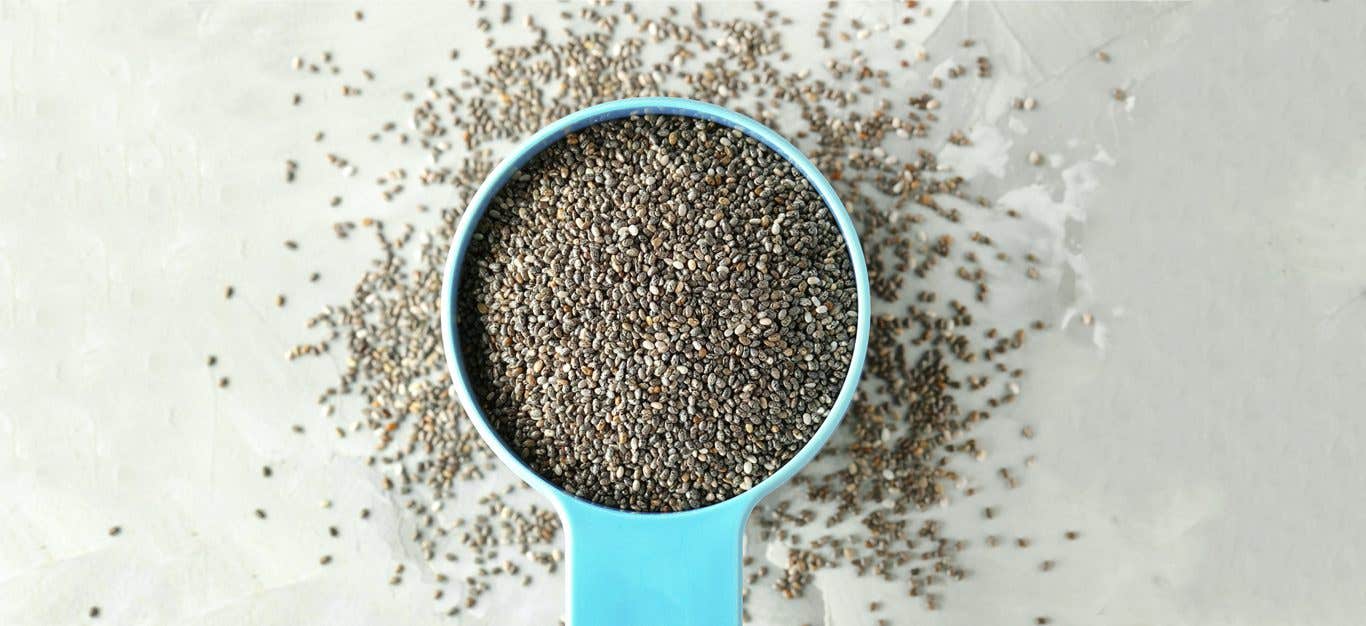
{"points": [[639, 569]]}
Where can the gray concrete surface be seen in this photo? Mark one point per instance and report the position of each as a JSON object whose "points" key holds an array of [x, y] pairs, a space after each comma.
{"points": [[1205, 434]]}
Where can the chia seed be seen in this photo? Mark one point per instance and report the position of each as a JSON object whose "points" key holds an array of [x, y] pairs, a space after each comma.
{"points": [[657, 313], [873, 129]]}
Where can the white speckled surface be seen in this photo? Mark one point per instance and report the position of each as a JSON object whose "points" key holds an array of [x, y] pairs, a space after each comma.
{"points": [[1205, 436]]}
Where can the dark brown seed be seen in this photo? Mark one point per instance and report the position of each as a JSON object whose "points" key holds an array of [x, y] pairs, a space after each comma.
{"points": [[916, 408], [732, 309]]}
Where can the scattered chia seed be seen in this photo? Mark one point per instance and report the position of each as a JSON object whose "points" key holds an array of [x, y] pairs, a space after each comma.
{"points": [[927, 385], [115, 531]]}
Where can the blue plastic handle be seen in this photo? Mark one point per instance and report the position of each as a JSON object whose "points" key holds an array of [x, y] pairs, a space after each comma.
{"points": [[677, 568], [655, 569]]}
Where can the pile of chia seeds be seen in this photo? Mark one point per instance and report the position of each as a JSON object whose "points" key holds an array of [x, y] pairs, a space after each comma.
{"points": [[937, 370], [657, 313]]}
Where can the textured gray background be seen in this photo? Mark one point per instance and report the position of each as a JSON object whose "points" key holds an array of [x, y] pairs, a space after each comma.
{"points": [[1205, 436]]}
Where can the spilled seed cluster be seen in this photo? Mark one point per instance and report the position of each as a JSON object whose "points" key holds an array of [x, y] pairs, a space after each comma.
{"points": [[657, 312], [937, 371]]}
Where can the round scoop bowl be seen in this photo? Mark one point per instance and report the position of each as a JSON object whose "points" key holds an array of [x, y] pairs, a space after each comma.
{"points": [[662, 569]]}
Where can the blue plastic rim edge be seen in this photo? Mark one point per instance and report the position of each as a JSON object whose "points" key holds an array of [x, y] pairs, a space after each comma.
{"points": [[547, 136]]}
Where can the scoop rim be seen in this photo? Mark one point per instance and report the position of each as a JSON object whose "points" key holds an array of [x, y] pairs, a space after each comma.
{"points": [[547, 136]]}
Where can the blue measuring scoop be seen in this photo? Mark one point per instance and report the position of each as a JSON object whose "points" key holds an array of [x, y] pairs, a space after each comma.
{"points": [[655, 569]]}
